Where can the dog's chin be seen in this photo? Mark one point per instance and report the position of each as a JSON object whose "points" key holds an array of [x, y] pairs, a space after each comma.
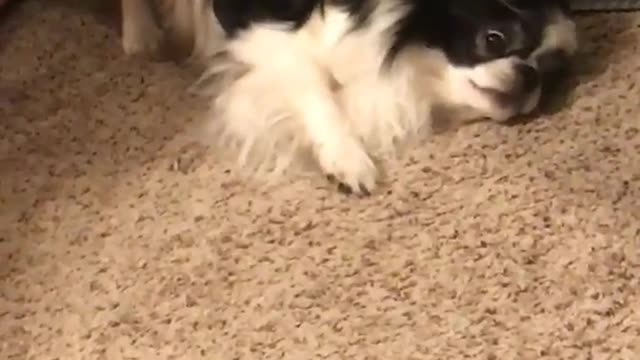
{"points": [[502, 105], [488, 99]]}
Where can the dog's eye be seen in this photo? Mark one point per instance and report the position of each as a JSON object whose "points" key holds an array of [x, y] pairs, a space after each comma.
{"points": [[496, 42]]}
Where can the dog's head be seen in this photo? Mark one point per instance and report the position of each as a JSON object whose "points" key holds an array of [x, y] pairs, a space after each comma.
{"points": [[500, 53]]}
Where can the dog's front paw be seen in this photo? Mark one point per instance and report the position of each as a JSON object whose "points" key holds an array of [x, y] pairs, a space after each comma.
{"points": [[347, 163]]}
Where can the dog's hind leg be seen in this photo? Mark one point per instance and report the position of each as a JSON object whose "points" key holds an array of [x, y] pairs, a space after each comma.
{"points": [[209, 36], [141, 34]]}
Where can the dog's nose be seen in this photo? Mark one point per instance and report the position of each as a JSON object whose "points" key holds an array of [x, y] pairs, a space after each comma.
{"points": [[527, 80]]}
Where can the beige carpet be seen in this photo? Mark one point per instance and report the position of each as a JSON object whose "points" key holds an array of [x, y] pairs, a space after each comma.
{"points": [[490, 242]]}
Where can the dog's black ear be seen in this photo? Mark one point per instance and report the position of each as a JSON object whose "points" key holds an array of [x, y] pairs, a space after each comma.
{"points": [[236, 15], [538, 4], [553, 61], [230, 14], [565, 5]]}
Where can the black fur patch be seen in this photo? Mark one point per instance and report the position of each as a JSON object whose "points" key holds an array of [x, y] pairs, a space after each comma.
{"points": [[237, 15], [453, 26]]}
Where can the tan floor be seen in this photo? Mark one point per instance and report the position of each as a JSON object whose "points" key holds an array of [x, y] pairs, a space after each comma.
{"points": [[491, 242]]}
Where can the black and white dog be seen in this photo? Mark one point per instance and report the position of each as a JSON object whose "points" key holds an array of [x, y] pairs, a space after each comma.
{"points": [[349, 80]]}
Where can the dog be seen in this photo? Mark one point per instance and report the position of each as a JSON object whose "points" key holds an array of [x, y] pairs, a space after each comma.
{"points": [[347, 81]]}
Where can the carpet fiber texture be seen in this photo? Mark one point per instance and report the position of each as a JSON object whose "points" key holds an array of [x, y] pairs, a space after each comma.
{"points": [[487, 242]]}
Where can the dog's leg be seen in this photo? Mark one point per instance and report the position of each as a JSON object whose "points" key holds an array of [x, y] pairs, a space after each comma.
{"points": [[191, 29], [140, 31], [179, 26], [340, 155], [209, 36]]}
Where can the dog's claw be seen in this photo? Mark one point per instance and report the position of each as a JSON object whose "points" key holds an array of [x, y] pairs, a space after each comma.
{"points": [[346, 163], [348, 190], [364, 190], [345, 189]]}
